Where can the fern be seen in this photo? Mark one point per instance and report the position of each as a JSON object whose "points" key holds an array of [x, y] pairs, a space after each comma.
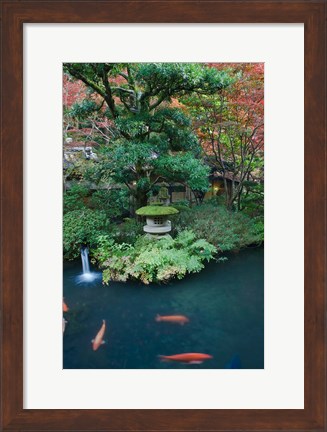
{"points": [[153, 260]]}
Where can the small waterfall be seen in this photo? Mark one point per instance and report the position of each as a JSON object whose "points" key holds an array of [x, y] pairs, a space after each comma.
{"points": [[85, 260], [87, 276]]}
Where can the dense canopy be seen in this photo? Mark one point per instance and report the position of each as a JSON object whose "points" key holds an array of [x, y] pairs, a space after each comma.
{"points": [[157, 139]]}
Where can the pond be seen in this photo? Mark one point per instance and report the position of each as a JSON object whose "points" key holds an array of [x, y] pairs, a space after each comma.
{"points": [[224, 304]]}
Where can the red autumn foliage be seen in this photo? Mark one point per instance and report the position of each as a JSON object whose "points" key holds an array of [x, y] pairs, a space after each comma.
{"points": [[73, 91], [246, 96]]}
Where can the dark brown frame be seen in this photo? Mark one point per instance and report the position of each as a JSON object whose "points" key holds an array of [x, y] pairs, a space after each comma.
{"points": [[14, 15]]}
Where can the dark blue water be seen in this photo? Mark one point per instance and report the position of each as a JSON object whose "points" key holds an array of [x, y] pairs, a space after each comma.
{"points": [[224, 304]]}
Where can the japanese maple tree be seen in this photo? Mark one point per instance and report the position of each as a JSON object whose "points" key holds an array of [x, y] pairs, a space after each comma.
{"points": [[230, 126]]}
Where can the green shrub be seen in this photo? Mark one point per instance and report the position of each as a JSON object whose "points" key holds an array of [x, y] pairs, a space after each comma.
{"points": [[75, 197], [115, 202], [181, 203], [228, 231], [127, 232], [258, 224], [153, 260], [253, 201], [82, 227], [181, 207]]}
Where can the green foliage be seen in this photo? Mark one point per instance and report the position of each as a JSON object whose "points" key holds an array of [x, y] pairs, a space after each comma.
{"points": [[127, 232], [181, 202], [146, 133], [183, 167], [253, 200], [176, 79], [228, 231], [253, 206], [146, 142], [76, 171], [182, 207], [74, 198], [153, 260], [258, 226], [82, 227], [83, 110], [231, 124], [115, 202]]}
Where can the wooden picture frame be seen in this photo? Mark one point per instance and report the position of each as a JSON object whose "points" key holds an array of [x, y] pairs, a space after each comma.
{"points": [[14, 15]]}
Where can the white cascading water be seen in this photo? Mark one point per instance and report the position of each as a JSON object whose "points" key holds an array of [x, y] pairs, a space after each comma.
{"points": [[85, 260], [87, 275]]}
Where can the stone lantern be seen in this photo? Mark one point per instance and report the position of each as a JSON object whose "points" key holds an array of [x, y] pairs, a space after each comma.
{"points": [[157, 222]]}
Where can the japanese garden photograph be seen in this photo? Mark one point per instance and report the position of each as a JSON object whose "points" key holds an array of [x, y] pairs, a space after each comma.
{"points": [[163, 216]]}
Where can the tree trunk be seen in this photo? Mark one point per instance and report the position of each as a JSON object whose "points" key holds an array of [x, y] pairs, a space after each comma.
{"points": [[141, 199], [228, 194], [239, 193]]}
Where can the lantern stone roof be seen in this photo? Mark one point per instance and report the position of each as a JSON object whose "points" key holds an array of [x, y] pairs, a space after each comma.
{"points": [[153, 210]]}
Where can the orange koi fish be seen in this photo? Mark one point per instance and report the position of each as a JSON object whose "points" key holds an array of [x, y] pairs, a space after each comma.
{"points": [[190, 358], [177, 319], [65, 308], [99, 337]]}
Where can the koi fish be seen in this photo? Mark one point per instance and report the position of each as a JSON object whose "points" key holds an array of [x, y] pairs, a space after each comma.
{"points": [[64, 322], [65, 308], [190, 358], [99, 337], [177, 319]]}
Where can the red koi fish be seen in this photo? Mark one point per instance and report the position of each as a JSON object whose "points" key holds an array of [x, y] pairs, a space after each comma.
{"points": [[177, 319], [190, 358], [65, 308], [99, 337]]}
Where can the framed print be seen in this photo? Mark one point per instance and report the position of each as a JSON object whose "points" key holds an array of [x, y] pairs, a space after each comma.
{"points": [[207, 330], [167, 351]]}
